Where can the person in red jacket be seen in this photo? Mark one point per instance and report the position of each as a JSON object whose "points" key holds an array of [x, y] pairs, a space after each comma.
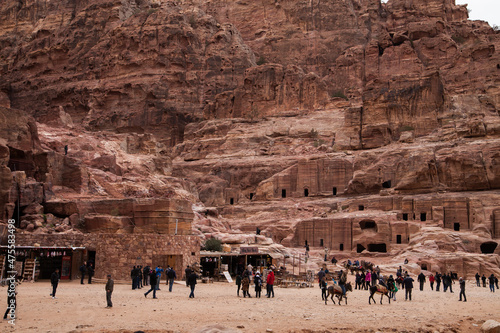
{"points": [[270, 283], [431, 280]]}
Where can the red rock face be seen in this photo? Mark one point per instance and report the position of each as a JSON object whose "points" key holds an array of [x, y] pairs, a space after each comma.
{"points": [[283, 115]]}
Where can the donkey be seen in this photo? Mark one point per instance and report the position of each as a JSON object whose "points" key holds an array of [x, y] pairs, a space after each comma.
{"points": [[337, 291], [381, 290]]}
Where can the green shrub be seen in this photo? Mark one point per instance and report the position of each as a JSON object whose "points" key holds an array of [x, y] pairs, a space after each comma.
{"points": [[213, 244], [261, 61]]}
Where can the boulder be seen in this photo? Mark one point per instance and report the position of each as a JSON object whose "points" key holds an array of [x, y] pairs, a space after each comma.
{"points": [[34, 208], [490, 326]]}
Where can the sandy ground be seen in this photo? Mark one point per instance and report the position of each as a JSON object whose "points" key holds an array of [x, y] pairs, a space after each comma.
{"points": [[81, 308]]}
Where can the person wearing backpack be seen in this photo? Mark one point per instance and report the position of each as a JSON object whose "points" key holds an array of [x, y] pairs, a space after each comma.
{"points": [[258, 284]]}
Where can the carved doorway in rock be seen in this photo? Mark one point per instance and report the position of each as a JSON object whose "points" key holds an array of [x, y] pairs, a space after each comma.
{"points": [[360, 248], [377, 247], [488, 247]]}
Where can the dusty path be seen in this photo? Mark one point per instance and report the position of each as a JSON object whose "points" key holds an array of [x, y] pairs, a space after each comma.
{"points": [[82, 309]]}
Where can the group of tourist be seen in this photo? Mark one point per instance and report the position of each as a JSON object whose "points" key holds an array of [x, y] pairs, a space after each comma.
{"points": [[492, 279], [363, 281], [369, 278], [154, 279], [87, 268], [243, 281]]}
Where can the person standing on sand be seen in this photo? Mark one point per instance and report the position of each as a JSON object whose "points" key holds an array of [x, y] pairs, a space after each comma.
{"points": [[483, 278], [109, 290], [421, 279], [238, 283], [477, 279], [192, 282], [368, 278], [492, 282], [159, 270], [90, 272], [145, 275], [461, 281], [258, 284], [408, 283], [321, 275], [431, 281], [450, 282], [139, 277], [187, 272], [245, 285], [171, 276], [11, 305], [324, 287], [54, 281], [83, 270], [438, 281], [358, 281], [270, 283]]}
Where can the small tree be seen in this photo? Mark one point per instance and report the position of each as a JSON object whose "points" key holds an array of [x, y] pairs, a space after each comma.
{"points": [[213, 244]]}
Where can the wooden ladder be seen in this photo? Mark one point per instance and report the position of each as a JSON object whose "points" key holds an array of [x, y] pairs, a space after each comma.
{"points": [[30, 270]]}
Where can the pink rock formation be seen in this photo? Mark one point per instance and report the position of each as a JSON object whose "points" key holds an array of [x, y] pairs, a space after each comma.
{"points": [[371, 129]]}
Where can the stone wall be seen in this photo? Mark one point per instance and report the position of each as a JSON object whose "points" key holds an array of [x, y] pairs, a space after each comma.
{"points": [[163, 216], [334, 234], [454, 212], [308, 178], [116, 254]]}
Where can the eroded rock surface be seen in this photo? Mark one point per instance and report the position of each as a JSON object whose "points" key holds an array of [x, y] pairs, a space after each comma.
{"points": [[371, 129]]}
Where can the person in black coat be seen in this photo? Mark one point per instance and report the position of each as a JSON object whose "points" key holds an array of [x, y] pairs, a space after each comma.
{"points": [[438, 280], [152, 280], [408, 283], [374, 278], [191, 280], [139, 277], [83, 270], [10, 313], [145, 275], [109, 291], [90, 272], [134, 275], [187, 272], [54, 281], [421, 280], [171, 276], [462, 289]]}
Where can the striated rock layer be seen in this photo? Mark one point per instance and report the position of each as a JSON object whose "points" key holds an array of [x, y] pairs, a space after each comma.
{"points": [[367, 128]]}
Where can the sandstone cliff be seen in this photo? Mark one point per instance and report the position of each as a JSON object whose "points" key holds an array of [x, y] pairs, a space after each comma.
{"points": [[353, 125]]}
